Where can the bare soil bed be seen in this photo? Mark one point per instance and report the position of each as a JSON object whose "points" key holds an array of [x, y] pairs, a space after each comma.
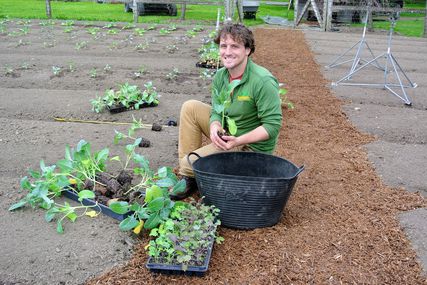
{"points": [[340, 225]]}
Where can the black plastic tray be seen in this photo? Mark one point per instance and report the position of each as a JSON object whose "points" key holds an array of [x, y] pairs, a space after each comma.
{"points": [[177, 269], [70, 194], [120, 108], [205, 65]]}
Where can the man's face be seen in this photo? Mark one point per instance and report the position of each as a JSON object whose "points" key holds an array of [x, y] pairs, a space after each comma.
{"points": [[233, 54]]}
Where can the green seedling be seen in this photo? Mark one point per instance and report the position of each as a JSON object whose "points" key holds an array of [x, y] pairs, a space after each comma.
{"points": [[93, 73], [113, 32], [81, 45], [128, 26], [140, 31], [56, 70], [185, 236], [171, 48], [173, 74], [107, 68], [284, 99], [164, 32], [221, 102]]}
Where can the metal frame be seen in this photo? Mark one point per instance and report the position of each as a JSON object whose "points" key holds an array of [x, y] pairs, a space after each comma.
{"points": [[357, 58], [390, 60]]}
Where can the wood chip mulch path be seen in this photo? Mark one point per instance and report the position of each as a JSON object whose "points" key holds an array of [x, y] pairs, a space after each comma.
{"points": [[340, 225]]}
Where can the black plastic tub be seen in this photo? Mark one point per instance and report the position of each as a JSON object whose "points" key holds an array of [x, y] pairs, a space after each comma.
{"points": [[250, 188], [70, 194], [177, 269]]}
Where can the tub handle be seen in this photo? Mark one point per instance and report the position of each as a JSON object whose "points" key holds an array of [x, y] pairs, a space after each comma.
{"points": [[300, 169], [188, 158]]}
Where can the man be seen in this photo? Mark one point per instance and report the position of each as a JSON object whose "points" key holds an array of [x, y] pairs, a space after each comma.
{"points": [[255, 107]]}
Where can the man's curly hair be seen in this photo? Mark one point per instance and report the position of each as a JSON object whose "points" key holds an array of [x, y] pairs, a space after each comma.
{"points": [[238, 33]]}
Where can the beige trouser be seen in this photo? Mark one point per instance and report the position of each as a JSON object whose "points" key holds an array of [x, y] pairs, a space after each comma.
{"points": [[193, 123]]}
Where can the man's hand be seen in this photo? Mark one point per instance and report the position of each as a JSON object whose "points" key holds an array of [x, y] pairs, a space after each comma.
{"points": [[218, 142]]}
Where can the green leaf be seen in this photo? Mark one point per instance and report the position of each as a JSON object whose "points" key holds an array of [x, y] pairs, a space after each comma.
{"points": [[72, 216], [166, 182], [86, 194], [153, 221], [65, 165], [59, 228], [115, 158], [128, 223], [162, 172], [120, 207], [34, 174], [179, 187], [50, 214], [25, 183], [18, 205], [81, 145], [152, 193], [156, 204], [102, 155], [232, 128], [68, 153]]}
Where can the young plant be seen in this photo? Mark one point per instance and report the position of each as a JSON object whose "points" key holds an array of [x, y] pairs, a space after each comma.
{"points": [[140, 31], [78, 168], [68, 30], [113, 31], [9, 71], [191, 33], [284, 99], [221, 102], [141, 46], [81, 45], [107, 68], [93, 73], [71, 66], [184, 238], [164, 32], [171, 27], [173, 74], [93, 31], [128, 26], [56, 70], [140, 72], [171, 48], [67, 23], [207, 74], [128, 96]]}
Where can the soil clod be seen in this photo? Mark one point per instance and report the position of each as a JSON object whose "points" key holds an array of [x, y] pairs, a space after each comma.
{"points": [[145, 142], [156, 127]]}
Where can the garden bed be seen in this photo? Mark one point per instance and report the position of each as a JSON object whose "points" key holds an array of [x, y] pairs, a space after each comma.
{"points": [[339, 225]]}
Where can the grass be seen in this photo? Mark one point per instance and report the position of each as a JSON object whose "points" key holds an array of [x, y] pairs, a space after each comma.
{"points": [[92, 11], [412, 25]]}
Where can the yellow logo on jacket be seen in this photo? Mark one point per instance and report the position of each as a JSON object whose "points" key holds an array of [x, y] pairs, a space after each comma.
{"points": [[243, 98]]}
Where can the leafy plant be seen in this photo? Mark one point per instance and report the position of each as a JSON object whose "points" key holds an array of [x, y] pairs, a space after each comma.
{"points": [[127, 95], [68, 30], [140, 72], [92, 30], [78, 166], [284, 99], [9, 71], [128, 26], [173, 74], [67, 23], [71, 66], [171, 48], [107, 68], [207, 73], [171, 27], [185, 237], [113, 31], [93, 73], [141, 46], [140, 31], [56, 70], [221, 102], [164, 32], [209, 54], [81, 45]]}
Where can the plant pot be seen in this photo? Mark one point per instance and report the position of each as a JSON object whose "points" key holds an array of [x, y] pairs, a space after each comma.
{"points": [[178, 269], [70, 194]]}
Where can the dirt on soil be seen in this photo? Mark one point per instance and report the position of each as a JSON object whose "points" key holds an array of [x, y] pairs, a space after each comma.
{"points": [[339, 226]]}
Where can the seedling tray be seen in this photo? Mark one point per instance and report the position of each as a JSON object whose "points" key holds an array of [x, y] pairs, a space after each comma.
{"points": [[177, 269], [121, 108], [206, 65], [70, 194]]}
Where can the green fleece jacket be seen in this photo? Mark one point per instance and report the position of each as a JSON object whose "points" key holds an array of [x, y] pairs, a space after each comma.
{"points": [[255, 102]]}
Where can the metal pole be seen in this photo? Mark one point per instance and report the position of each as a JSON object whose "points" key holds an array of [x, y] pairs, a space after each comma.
{"points": [[48, 9]]}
